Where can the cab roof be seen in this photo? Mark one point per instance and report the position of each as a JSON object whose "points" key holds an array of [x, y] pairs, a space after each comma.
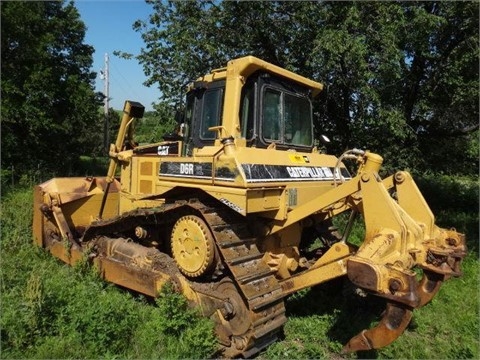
{"points": [[246, 66]]}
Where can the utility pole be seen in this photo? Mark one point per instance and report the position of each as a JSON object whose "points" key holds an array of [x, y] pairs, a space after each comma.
{"points": [[106, 85]]}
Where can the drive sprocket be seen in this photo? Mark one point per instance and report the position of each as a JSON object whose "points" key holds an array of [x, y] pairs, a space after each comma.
{"points": [[193, 246]]}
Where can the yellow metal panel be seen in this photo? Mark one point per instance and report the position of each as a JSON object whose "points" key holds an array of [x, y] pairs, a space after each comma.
{"points": [[146, 186], [146, 168], [297, 158], [125, 174], [264, 199], [145, 179]]}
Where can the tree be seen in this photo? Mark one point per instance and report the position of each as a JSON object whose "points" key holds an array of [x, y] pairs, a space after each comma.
{"points": [[155, 124], [48, 104], [401, 77], [441, 89]]}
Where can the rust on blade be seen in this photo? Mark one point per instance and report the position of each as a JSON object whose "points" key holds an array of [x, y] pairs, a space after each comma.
{"points": [[394, 322], [429, 286]]}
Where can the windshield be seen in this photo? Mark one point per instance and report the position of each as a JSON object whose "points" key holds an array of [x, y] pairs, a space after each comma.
{"points": [[286, 118]]}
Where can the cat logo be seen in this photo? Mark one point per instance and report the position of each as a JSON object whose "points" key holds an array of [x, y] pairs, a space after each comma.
{"points": [[162, 150]]}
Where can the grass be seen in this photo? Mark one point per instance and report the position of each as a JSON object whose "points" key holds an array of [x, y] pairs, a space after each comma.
{"points": [[322, 319], [50, 310]]}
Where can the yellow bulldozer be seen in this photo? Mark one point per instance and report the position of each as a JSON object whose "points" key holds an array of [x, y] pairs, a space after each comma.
{"points": [[235, 210]]}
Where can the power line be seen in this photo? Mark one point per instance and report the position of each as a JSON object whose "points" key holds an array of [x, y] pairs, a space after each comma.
{"points": [[126, 82]]}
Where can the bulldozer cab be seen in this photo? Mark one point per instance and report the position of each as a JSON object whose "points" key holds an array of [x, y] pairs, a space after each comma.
{"points": [[203, 111], [284, 115], [266, 109]]}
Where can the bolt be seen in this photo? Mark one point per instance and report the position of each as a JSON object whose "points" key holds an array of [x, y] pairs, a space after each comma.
{"points": [[140, 232], [365, 177], [399, 177], [45, 209], [451, 241], [394, 285]]}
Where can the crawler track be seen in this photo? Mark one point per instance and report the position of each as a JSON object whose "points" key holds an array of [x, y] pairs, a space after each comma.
{"points": [[262, 313], [261, 291]]}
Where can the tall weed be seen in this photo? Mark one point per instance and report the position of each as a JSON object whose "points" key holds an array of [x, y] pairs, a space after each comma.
{"points": [[185, 335]]}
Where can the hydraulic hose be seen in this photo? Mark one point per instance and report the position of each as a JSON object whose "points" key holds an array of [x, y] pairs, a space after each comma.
{"points": [[349, 154]]}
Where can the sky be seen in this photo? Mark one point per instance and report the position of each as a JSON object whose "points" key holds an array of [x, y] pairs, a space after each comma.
{"points": [[109, 28]]}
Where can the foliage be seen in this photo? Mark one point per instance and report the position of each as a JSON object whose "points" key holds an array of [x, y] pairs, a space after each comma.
{"points": [[96, 166], [402, 77], [155, 124], [185, 335], [455, 202], [48, 104], [114, 118], [50, 310], [461, 194]]}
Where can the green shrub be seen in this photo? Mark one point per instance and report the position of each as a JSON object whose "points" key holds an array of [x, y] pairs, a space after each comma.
{"points": [[92, 166], [455, 203], [459, 194], [174, 330]]}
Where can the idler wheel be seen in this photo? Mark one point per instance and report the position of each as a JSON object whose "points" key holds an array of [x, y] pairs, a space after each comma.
{"points": [[236, 312]]}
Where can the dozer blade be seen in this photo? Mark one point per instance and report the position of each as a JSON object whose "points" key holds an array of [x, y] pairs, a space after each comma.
{"points": [[394, 322]]}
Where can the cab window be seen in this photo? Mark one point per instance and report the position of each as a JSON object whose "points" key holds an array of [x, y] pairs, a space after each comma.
{"points": [[298, 125], [211, 113], [272, 115], [247, 111], [286, 118]]}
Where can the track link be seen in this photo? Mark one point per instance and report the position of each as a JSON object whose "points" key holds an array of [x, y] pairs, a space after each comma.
{"points": [[260, 289]]}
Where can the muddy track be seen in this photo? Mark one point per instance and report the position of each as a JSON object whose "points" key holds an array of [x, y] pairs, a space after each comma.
{"points": [[261, 314]]}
